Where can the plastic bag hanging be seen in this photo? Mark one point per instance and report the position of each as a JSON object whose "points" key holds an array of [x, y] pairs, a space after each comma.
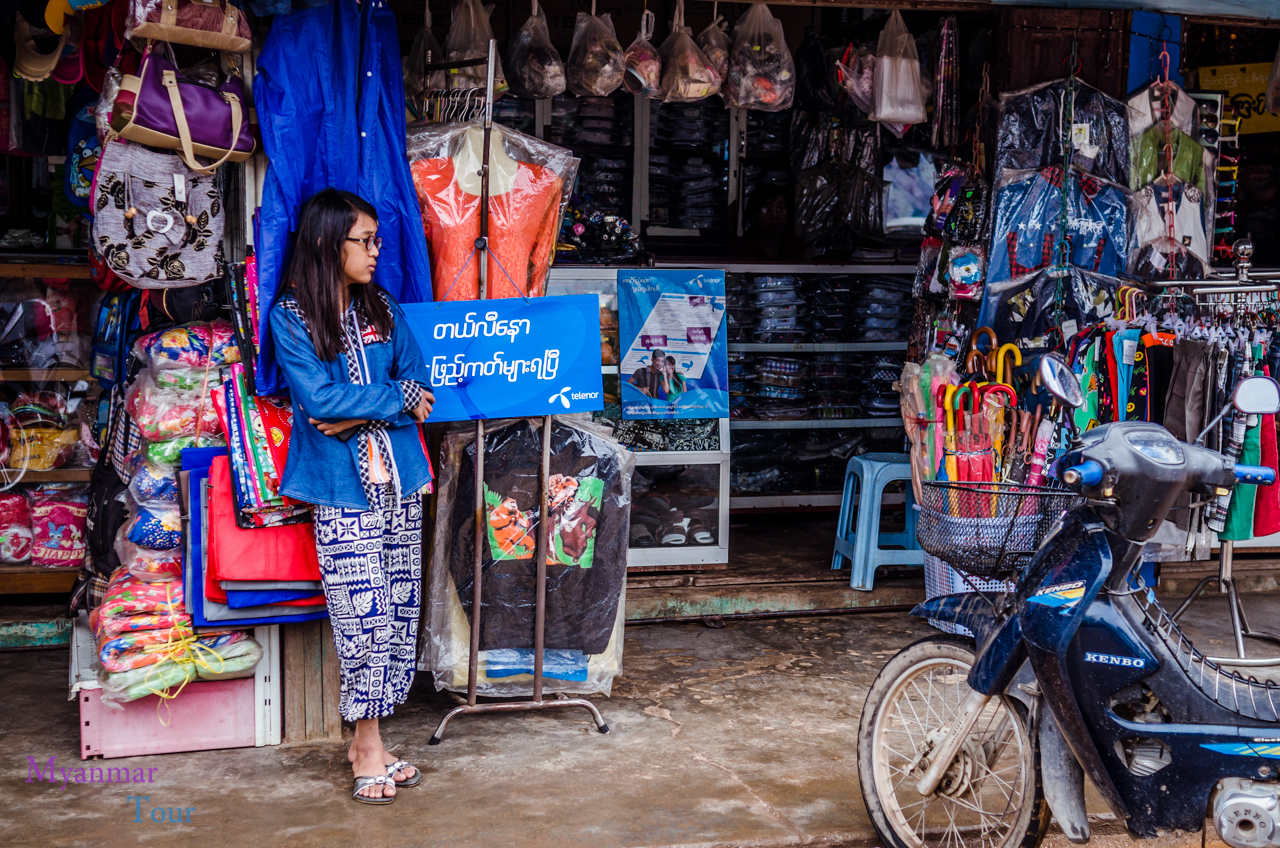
{"points": [[534, 68], [468, 38], [762, 74], [814, 89], [687, 73], [644, 67], [715, 45], [595, 67], [899, 91], [425, 51]]}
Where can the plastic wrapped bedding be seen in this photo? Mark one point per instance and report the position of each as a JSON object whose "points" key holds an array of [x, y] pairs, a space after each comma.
{"points": [[590, 503]]}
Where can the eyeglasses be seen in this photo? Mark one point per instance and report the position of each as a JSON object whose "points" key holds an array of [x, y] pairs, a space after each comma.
{"points": [[370, 244]]}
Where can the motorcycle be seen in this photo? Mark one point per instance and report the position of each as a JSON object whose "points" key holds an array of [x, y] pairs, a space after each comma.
{"points": [[1079, 670]]}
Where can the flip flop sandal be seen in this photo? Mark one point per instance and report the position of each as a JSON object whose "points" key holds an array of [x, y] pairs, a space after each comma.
{"points": [[641, 536], [401, 765], [363, 783], [701, 532]]}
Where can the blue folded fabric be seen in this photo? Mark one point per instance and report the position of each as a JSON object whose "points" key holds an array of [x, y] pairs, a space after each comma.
{"points": [[238, 599]]}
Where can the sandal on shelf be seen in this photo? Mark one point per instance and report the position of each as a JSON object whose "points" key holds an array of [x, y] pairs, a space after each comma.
{"points": [[700, 530], [363, 783], [677, 532], [401, 765]]}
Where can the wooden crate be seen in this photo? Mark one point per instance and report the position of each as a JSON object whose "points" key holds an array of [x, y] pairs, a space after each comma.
{"points": [[311, 684]]}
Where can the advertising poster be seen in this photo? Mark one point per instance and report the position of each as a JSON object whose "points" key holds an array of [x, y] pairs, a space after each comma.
{"points": [[511, 358], [674, 360]]}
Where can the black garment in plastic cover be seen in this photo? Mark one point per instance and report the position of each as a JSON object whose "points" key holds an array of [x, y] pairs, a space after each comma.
{"points": [[815, 89], [590, 504], [1022, 310], [1030, 131], [817, 200]]}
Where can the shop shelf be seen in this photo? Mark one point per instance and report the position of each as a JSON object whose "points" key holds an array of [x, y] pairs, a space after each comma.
{"points": [[791, 501], [69, 375], [56, 270], [817, 347], [816, 424], [34, 580], [56, 475]]}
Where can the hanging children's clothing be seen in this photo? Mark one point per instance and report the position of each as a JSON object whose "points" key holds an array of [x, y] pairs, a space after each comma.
{"points": [[1150, 222], [1027, 224], [523, 224], [1151, 159], [1149, 105]]}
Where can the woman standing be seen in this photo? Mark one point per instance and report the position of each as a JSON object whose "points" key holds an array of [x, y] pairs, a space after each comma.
{"points": [[358, 380]]}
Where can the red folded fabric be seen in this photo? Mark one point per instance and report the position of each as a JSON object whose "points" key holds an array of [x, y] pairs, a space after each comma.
{"points": [[265, 553], [1266, 507]]}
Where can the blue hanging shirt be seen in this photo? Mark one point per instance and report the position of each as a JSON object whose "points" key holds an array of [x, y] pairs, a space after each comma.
{"points": [[330, 99]]}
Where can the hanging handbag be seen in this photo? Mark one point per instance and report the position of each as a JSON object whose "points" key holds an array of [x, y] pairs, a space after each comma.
{"points": [[215, 24], [157, 223], [159, 108]]}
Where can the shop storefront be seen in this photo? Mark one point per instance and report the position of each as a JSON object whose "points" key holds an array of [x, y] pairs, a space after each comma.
{"points": [[872, 187]]}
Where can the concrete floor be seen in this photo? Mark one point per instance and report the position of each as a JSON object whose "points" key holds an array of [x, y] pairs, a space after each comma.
{"points": [[741, 736]]}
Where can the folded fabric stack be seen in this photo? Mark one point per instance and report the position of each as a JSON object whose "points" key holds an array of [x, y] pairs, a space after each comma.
{"points": [[146, 644], [258, 571], [783, 461], [258, 430]]}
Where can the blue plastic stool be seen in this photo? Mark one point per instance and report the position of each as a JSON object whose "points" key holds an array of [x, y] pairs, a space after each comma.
{"points": [[865, 479]]}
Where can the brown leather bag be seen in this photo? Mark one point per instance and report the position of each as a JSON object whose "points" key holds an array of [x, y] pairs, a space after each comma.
{"points": [[215, 24]]}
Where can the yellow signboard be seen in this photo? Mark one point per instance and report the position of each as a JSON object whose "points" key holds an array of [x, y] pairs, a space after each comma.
{"points": [[1246, 87]]}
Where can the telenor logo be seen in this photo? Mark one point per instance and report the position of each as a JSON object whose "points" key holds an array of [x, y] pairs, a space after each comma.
{"points": [[561, 396]]}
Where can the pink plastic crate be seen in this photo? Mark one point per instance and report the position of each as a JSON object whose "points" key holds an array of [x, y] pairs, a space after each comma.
{"points": [[206, 715]]}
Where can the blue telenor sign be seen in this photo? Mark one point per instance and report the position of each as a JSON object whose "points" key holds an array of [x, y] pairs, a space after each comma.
{"points": [[511, 358]]}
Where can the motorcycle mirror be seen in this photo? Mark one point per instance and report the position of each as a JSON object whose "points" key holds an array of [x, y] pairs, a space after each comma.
{"points": [[1060, 380], [1257, 396]]}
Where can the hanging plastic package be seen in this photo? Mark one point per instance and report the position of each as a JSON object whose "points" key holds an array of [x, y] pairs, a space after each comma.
{"points": [[595, 67], [534, 68], [688, 75], [644, 67], [425, 51], [762, 74], [814, 89], [468, 38], [962, 268], [899, 91], [715, 45]]}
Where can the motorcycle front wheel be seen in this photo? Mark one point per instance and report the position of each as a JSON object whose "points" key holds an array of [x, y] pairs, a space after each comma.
{"points": [[991, 795]]}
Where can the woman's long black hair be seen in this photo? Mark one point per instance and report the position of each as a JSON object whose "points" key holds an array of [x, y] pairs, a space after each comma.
{"points": [[315, 271]]}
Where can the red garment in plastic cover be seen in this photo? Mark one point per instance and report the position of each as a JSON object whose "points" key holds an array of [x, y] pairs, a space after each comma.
{"points": [[1266, 506], [523, 224], [264, 553]]}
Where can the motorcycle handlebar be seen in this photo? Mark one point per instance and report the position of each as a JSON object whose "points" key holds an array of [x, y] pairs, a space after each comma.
{"points": [[1257, 474], [1087, 473]]}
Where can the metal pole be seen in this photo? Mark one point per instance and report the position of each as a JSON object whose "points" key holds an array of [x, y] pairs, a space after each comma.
{"points": [[544, 546]]}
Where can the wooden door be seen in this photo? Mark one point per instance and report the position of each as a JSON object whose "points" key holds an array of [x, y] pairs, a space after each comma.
{"points": [[1037, 43]]}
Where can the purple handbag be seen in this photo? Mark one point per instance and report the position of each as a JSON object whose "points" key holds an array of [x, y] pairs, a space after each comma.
{"points": [[160, 108]]}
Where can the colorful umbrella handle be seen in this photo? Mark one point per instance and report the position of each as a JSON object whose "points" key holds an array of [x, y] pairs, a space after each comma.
{"points": [[984, 331], [1000, 358]]}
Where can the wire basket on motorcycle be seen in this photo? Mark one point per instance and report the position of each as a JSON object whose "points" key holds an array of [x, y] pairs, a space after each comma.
{"points": [[988, 529]]}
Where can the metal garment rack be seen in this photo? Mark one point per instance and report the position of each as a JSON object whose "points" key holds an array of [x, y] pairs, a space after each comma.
{"points": [[544, 530], [1256, 285]]}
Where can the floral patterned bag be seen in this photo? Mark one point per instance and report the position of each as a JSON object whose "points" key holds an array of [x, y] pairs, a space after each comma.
{"points": [[157, 223]]}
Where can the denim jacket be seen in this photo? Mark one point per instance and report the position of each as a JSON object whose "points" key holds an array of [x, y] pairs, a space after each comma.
{"points": [[322, 469]]}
